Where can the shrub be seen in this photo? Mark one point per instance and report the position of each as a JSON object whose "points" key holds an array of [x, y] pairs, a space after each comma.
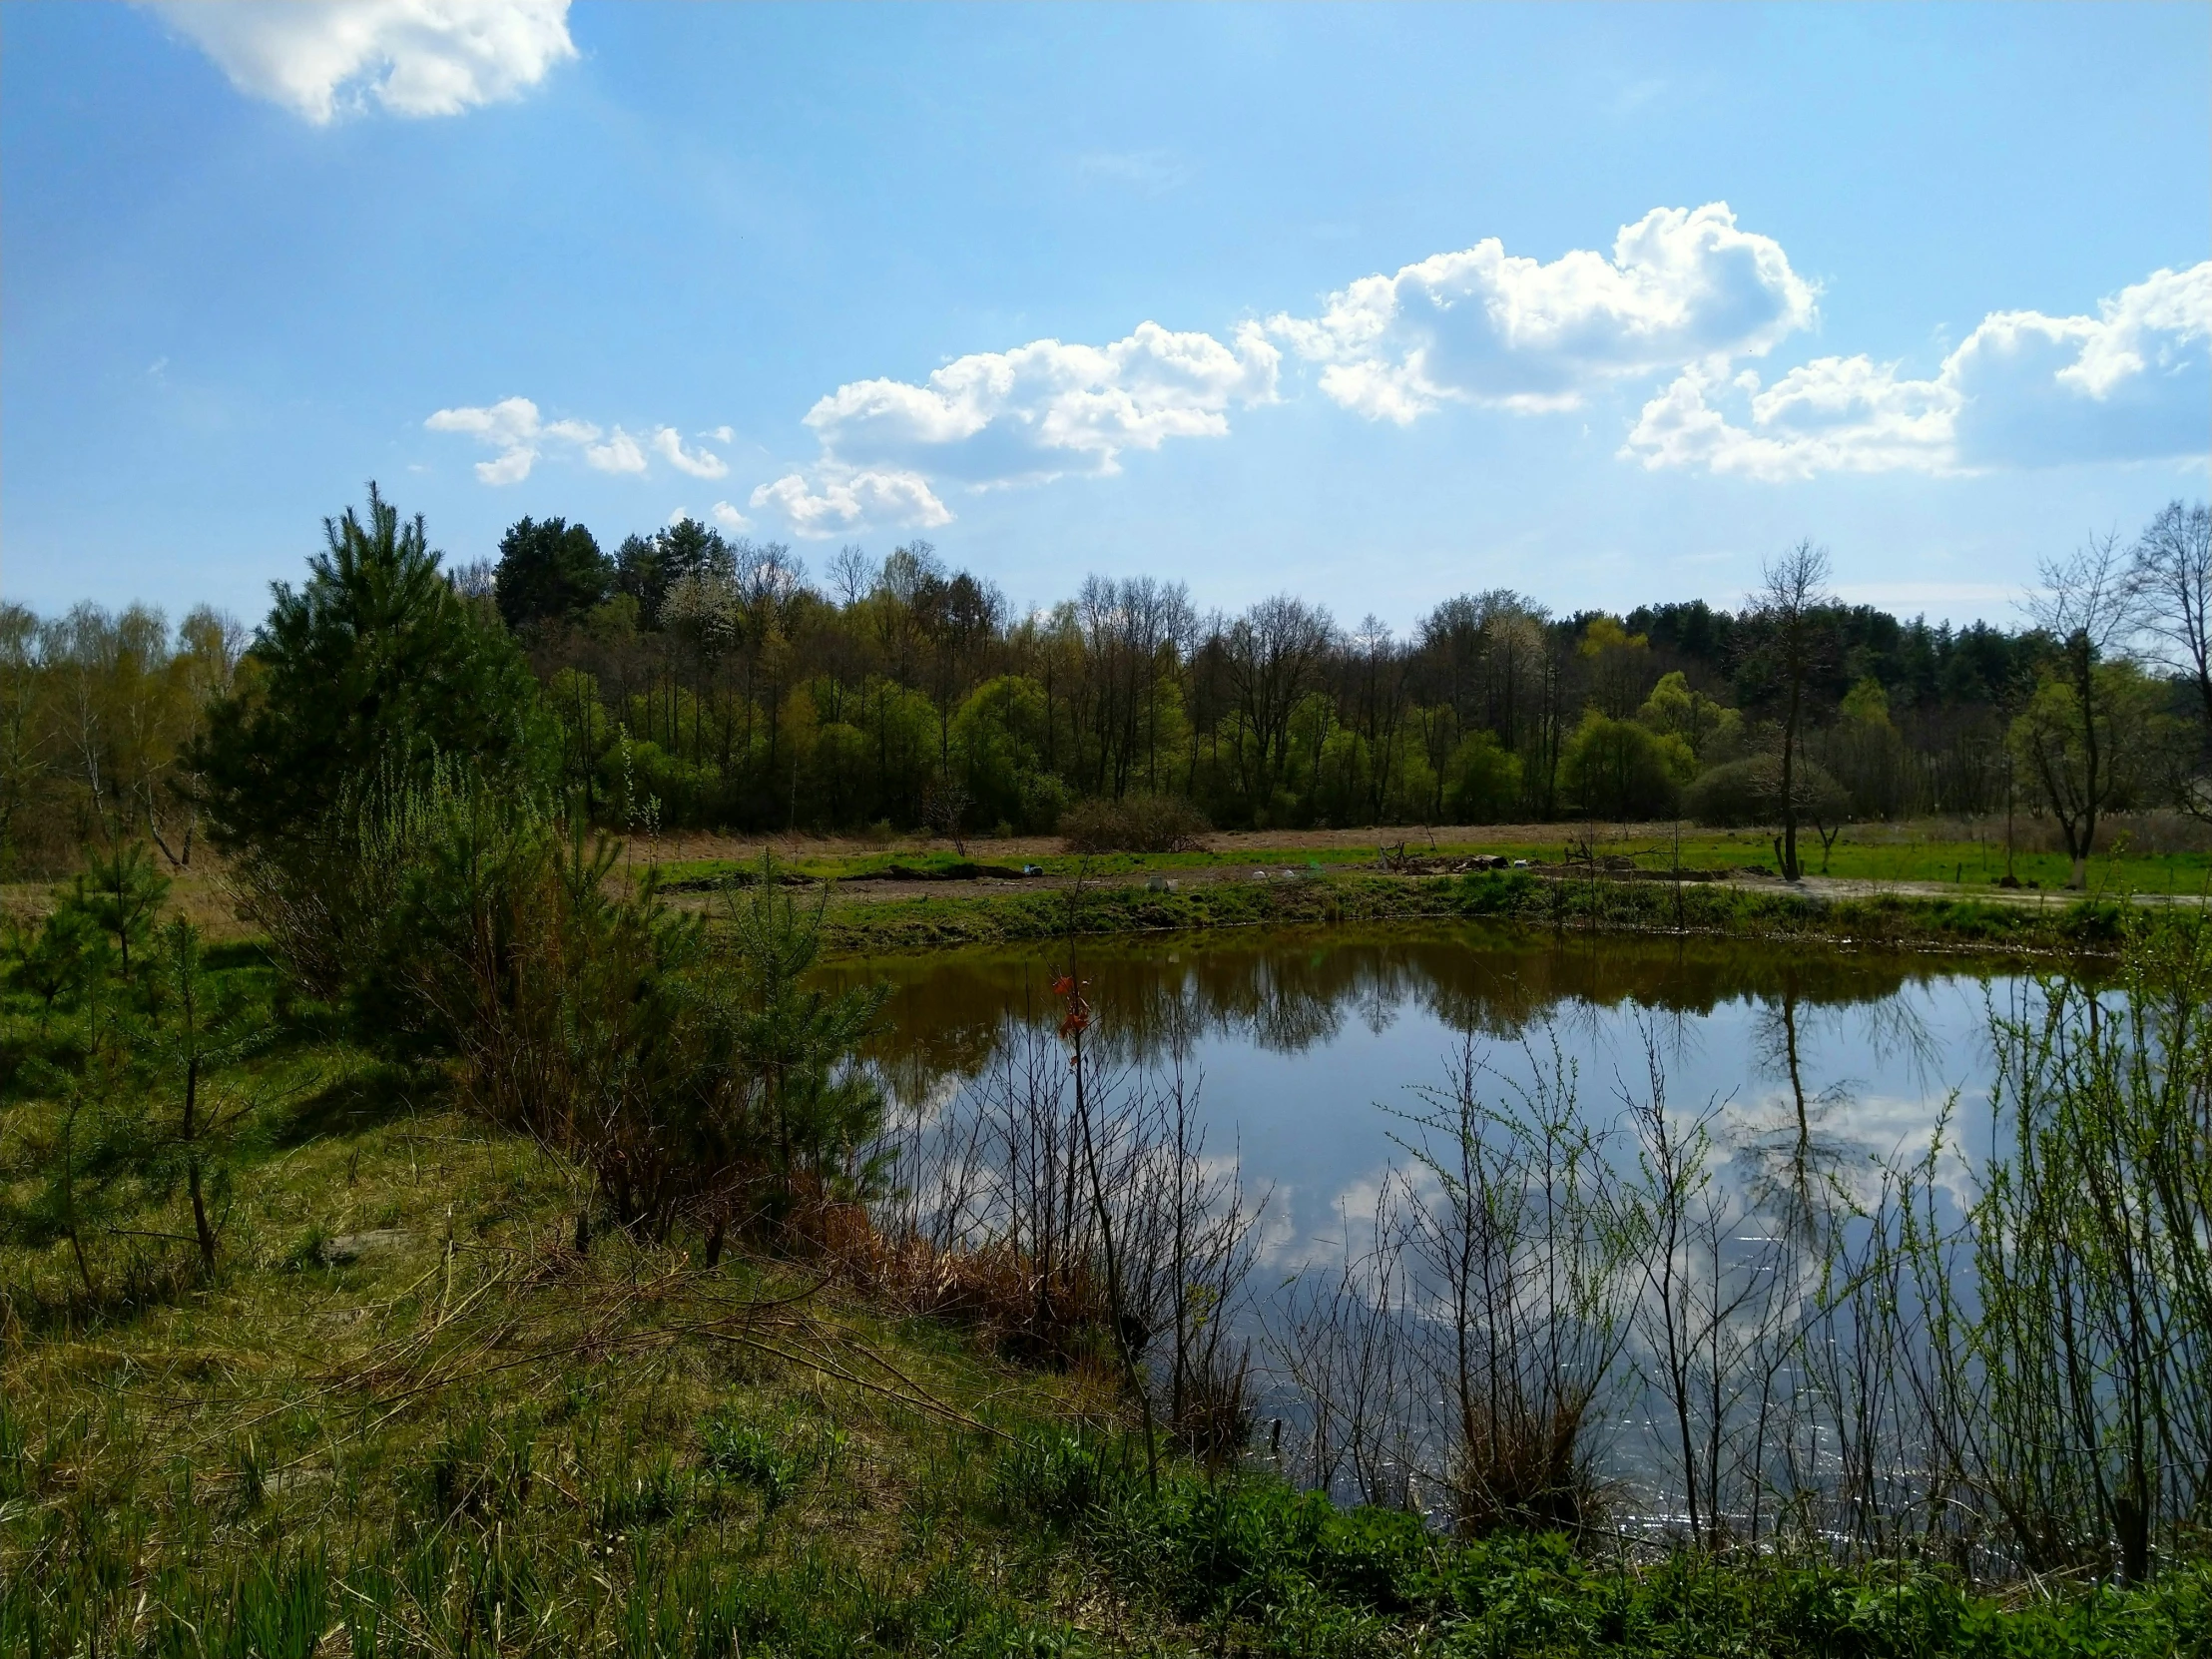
{"points": [[463, 920], [1747, 792], [801, 1044], [59, 958], [1730, 796], [1272, 1571], [121, 892], [1619, 769], [565, 1002], [1484, 780], [1134, 824]]}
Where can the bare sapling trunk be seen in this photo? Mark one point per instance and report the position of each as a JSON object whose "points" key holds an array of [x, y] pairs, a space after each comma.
{"points": [[1790, 869], [199, 1225], [1073, 1023]]}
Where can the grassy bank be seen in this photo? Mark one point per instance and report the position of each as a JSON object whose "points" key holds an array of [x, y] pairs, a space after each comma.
{"points": [[409, 1415], [928, 922], [1921, 884]]}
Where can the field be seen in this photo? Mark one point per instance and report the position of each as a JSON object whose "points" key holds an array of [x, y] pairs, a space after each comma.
{"points": [[2153, 858], [1897, 888], [2158, 856]]}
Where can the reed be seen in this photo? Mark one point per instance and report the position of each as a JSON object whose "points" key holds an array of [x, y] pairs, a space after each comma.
{"points": [[1997, 1364]]}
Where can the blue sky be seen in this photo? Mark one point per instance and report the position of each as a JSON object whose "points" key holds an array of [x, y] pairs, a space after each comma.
{"points": [[1376, 306]]}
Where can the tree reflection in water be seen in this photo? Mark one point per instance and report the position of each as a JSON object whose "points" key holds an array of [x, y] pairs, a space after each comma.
{"points": [[1818, 1061], [1734, 1110], [1369, 1015]]}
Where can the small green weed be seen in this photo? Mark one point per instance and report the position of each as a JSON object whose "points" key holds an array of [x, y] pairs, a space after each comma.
{"points": [[478, 1472], [772, 1462], [641, 1498]]}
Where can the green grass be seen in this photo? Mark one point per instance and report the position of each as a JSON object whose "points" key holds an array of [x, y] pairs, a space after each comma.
{"points": [[407, 1413], [1886, 853], [1874, 854], [2057, 926], [943, 866]]}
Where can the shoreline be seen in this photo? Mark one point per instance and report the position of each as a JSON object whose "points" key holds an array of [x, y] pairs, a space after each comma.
{"points": [[912, 924]]}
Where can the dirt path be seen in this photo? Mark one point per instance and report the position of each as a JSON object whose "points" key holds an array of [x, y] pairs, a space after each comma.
{"points": [[1279, 868], [1837, 886]]}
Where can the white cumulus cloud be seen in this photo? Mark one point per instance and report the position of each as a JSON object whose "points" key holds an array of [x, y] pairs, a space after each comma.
{"points": [[1674, 313], [1485, 326], [620, 453], [1682, 286], [324, 58], [729, 517], [2023, 390], [835, 503], [510, 426], [516, 430], [994, 419], [669, 443], [1047, 408]]}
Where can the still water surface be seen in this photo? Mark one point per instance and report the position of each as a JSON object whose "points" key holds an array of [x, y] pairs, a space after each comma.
{"points": [[1307, 1046]]}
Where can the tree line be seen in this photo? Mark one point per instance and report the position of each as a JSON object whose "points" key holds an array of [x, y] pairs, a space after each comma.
{"points": [[694, 680]]}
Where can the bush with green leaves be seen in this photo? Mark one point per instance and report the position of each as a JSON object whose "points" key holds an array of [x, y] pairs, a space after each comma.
{"points": [[1483, 780], [802, 1042], [1262, 1568], [1620, 769], [121, 892], [106, 912], [589, 1013], [207, 1032], [1745, 792]]}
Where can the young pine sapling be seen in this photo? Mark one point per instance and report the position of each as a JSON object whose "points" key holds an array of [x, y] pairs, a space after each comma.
{"points": [[208, 1031]]}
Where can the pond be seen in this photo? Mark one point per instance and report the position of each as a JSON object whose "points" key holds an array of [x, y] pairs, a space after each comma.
{"points": [[1499, 1224], [1305, 1051]]}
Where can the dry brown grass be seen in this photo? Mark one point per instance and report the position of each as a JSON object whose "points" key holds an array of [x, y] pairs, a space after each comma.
{"points": [[200, 893], [1058, 1319]]}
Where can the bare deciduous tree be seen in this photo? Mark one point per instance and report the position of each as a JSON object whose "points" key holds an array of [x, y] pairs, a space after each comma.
{"points": [[2087, 606], [852, 575], [1795, 588], [2170, 574], [1275, 653], [23, 759]]}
